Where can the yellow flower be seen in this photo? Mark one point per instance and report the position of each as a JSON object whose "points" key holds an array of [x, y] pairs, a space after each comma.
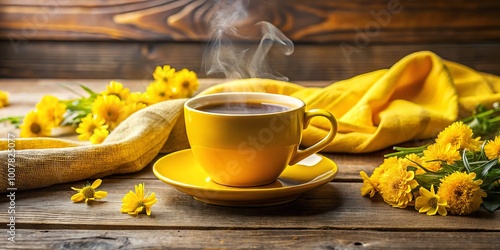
{"points": [[4, 99], [52, 109], [185, 83], [111, 109], [396, 185], [139, 98], [88, 125], [99, 135], [380, 170], [430, 203], [136, 101], [164, 75], [414, 161], [463, 193], [88, 192], [134, 107], [35, 125], [460, 137], [117, 89], [492, 148], [134, 203], [441, 152], [158, 92], [371, 184], [369, 187]]}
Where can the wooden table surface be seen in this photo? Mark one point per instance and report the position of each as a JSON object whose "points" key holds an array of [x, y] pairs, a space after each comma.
{"points": [[333, 216]]}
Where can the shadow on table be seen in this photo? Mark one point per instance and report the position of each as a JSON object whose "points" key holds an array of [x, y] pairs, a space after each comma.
{"points": [[321, 200]]}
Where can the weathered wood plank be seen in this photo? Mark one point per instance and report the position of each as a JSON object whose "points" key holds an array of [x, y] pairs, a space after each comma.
{"points": [[309, 62], [250, 239], [304, 21], [332, 206]]}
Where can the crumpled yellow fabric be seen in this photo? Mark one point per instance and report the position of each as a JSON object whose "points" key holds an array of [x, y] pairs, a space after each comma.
{"points": [[416, 98]]}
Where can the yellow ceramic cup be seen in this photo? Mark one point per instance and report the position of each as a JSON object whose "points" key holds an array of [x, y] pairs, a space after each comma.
{"points": [[242, 148]]}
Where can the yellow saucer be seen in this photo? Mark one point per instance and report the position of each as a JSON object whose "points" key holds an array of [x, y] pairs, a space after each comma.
{"points": [[180, 170]]}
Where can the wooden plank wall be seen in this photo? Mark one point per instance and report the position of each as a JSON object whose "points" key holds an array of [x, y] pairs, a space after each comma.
{"points": [[333, 39]]}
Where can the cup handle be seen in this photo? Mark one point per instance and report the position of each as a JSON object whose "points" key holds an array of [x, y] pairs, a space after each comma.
{"points": [[308, 115]]}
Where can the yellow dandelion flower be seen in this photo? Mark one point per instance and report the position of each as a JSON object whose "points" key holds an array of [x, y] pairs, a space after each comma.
{"points": [[136, 101], [4, 99], [185, 83], [459, 135], [380, 170], [158, 92], [463, 193], [134, 203], [134, 107], [369, 187], [51, 108], [117, 89], [430, 203], [111, 109], [432, 166], [442, 152], [492, 148], [396, 185], [88, 124], [35, 125], [99, 135], [139, 98], [414, 161], [164, 74], [88, 192]]}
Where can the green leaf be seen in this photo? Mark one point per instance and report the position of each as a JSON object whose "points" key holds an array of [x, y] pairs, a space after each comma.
{"points": [[450, 168], [70, 90], [484, 122], [14, 120], [411, 168], [466, 162], [489, 182], [487, 166], [491, 204], [483, 155], [88, 90], [429, 178], [402, 151]]}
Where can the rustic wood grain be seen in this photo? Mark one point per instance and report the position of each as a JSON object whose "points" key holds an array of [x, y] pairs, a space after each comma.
{"points": [[301, 20], [129, 60], [335, 205], [252, 239]]}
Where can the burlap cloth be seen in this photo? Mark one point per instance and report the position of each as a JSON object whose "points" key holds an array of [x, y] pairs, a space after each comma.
{"points": [[414, 99]]}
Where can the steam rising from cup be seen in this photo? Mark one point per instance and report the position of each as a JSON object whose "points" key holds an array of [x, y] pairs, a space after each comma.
{"points": [[224, 57]]}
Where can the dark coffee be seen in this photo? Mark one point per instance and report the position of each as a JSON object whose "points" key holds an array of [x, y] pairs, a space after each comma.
{"points": [[243, 108]]}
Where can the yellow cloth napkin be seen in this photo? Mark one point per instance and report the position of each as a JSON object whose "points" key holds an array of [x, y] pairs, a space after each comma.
{"points": [[416, 98]]}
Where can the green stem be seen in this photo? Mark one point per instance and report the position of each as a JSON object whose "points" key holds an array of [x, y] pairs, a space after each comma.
{"points": [[480, 115], [493, 120], [406, 151], [14, 120]]}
